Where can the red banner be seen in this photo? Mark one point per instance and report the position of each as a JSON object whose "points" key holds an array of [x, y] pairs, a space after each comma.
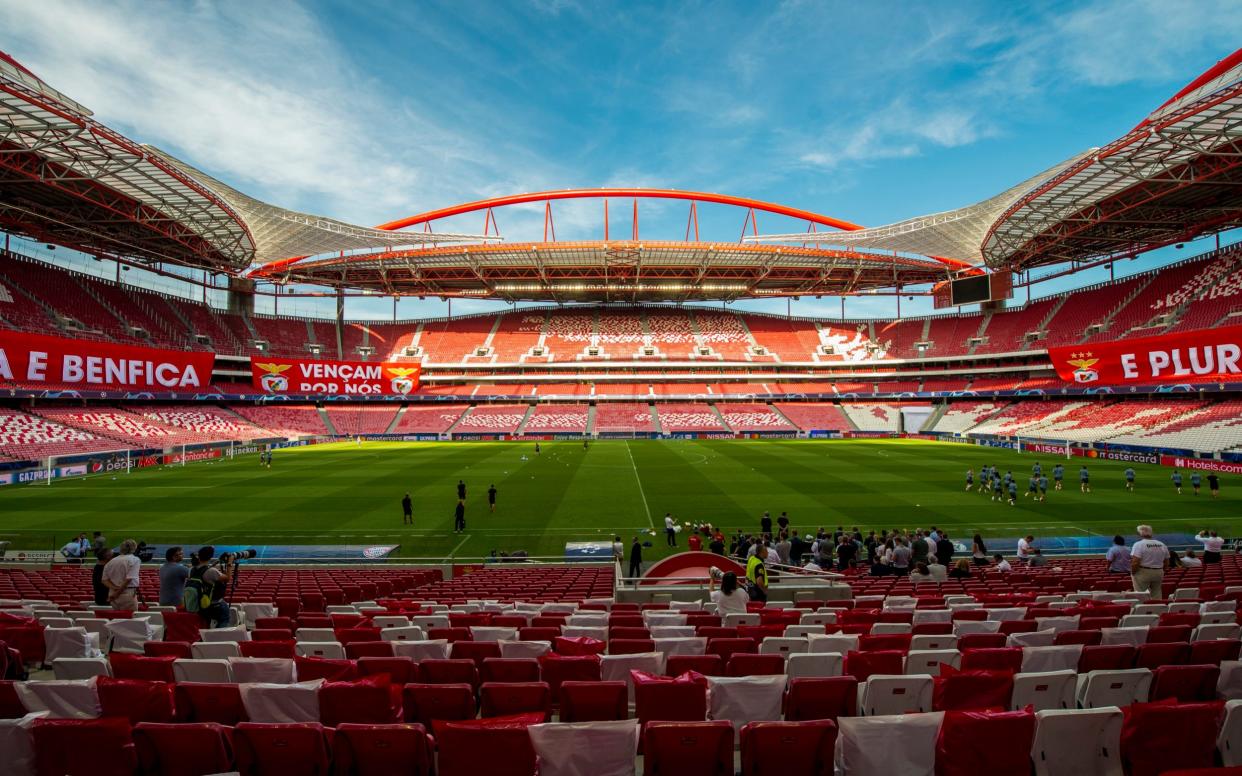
{"points": [[1206, 464], [335, 378], [1205, 354], [66, 364]]}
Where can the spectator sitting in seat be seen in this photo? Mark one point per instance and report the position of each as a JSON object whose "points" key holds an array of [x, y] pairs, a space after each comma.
{"points": [[1190, 561], [939, 572], [961, 569], [1002, 565], [1037, 558], [921, 573], [730, 598]]}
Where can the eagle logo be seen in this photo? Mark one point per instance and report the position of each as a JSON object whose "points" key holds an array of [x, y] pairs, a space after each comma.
{"points": [[274, 381], [1084, 361], [401, 382]]}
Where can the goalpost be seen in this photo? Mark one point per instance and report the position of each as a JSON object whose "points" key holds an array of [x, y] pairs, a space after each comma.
{"points": [[114, 461]]}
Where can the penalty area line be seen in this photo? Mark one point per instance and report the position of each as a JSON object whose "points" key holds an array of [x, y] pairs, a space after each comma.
{"points": [[453, 553]]}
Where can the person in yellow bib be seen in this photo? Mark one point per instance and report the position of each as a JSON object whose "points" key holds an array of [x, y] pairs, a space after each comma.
{"points": [[756, 579]]}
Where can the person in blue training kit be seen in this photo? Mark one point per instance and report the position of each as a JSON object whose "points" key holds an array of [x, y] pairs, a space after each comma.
{"points": [[996, 487], [1013, 492], [1043, 487], [1058, 474], [1177, 481], [1196, 480], [970, 479], [1084, 480], [1130, 478], [1032, 486]]}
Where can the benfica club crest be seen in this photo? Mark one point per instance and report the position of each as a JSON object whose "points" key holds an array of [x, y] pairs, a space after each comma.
{"points": [[274, 381], [1083, 373], [401, 382]]}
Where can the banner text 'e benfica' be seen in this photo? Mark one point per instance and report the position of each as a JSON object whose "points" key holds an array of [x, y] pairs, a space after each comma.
{"points": [[40, 359]]}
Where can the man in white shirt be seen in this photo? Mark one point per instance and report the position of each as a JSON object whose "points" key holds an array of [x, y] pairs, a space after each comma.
{"points": [[1002, 565], [1148, 558], [1212, 545], [939, 572], [121, 577], [1189, 560], [670, 529], [1024, 548]]}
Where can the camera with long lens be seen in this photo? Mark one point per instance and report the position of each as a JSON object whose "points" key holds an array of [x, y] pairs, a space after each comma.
{"points": [[230, 558]]}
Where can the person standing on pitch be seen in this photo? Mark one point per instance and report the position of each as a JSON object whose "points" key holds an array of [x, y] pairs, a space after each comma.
{"points": [[461, 490], [459, 517], [1196, 480], [970, 479], [536, 448], [1130, 478], [491, 497], [1177, 481], [1148, 559], [1084, 480], [670, 529], [636, 559], [1214, 485], [1058, 474], [407, 510]]}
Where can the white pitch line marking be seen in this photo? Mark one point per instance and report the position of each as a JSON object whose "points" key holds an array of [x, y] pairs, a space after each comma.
{"points": [[639, 480]]}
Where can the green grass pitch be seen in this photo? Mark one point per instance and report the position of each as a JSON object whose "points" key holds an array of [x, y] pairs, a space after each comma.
{"points": [[343, 493]]}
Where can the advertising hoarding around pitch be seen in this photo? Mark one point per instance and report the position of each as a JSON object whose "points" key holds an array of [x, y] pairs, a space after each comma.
{"points": [[293, 376]]}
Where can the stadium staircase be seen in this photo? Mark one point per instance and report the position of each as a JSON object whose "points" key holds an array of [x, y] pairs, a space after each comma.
{"points": [[254, 333], [491, 336], [396, 419], [1056, 308], [934, 418], [780, 414], [1107, 323], [93, 294], [521, 427], [327, 421], [847, 417], [655, 417], [979, 333], [591, 410], [453, 428]]}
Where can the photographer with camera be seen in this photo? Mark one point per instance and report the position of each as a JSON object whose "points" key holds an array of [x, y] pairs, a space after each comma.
{"points": [[204, 590]]}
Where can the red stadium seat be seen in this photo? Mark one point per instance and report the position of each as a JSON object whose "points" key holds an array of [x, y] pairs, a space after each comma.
{"points": [[1189, 683], [312, 668], [708, 665], [664, 698], [688, 749], [746, 664], [726, 648], [501, 699], [994, 659], [557, 668], [623, 632], [271, 634], [572, 646], [374, 700], [779, 748], [1164, 735], [630, 646], [449, 672], [283, 623], [451, 635], [996, 743], [1166, 634], [497, 746], [862, 665], [203, 702], [182, 626], [287, 748], [1084, 637], [424, 703], [165, 748], [821, 698], [380, 750], [888, 641], [401, 670], [360, 649], [137, 700], [157, 669], [497, 669], [177, 649], [1213, 652], [478, 651], [981, 641], [280, 649], [1161, 654], [1108, 657], [547, 634], [77, 747], [593, 701], [971, 690]]}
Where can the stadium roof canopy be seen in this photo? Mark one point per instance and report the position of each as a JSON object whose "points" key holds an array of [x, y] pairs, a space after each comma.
{"points": [[1176, 175], [67, 179]]}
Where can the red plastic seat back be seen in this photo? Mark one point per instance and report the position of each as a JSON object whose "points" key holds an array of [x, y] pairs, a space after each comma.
{"points": [[779, 748], [748, 664], [450, 671], [298, 747], [280, 649], [971, 690], [708, 665], [381, 750], [727, 647], [624, 632], [1188, 684], [502, 699], [630, 646], [374, 700], [1153, 656], [1165, 634], [165, 748], [182, 626], [688, 748], [889, 641], [1188, 619], [271, 634], [541, 633], [1084, 637], [98, 747], [332, 670], [361, 649], [981, 641], [424, 703], [401, 670], [514, 669], [593, 701], [177, 649], [1214, 652], [680, 699], [825, 697], [993, 659], [862, 665], [1165, 735], [498, 746], [578, 645], [357, 634], [558, 668], [478, 651], [1107, 657], [285, 623], [137, 700], [451, 635], [208, 702], [995, 743], [155, 669]]}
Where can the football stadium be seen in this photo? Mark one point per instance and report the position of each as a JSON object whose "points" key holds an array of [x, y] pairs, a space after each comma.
{"points": [[683, 491]]}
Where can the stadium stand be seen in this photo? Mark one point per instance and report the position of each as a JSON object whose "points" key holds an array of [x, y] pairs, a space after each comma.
{"points": [[960, 416], [900, 337], [434, 419], [285, 420], [874, 417], [725, 333], [24, 436], [453, 341], [119, 425], [492, 419], [557, 418], [209, 423], [1007, 331], [815, 417], [517, 334], [624, 418], [671, 333], [753, 417], [676, 417], [361, 418]]}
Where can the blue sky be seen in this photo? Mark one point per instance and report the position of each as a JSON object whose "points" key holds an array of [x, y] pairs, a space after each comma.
{"points": [[870, 112]]}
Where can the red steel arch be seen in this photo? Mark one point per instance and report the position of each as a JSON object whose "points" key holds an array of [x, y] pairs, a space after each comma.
{"points": [[607, 193]]}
